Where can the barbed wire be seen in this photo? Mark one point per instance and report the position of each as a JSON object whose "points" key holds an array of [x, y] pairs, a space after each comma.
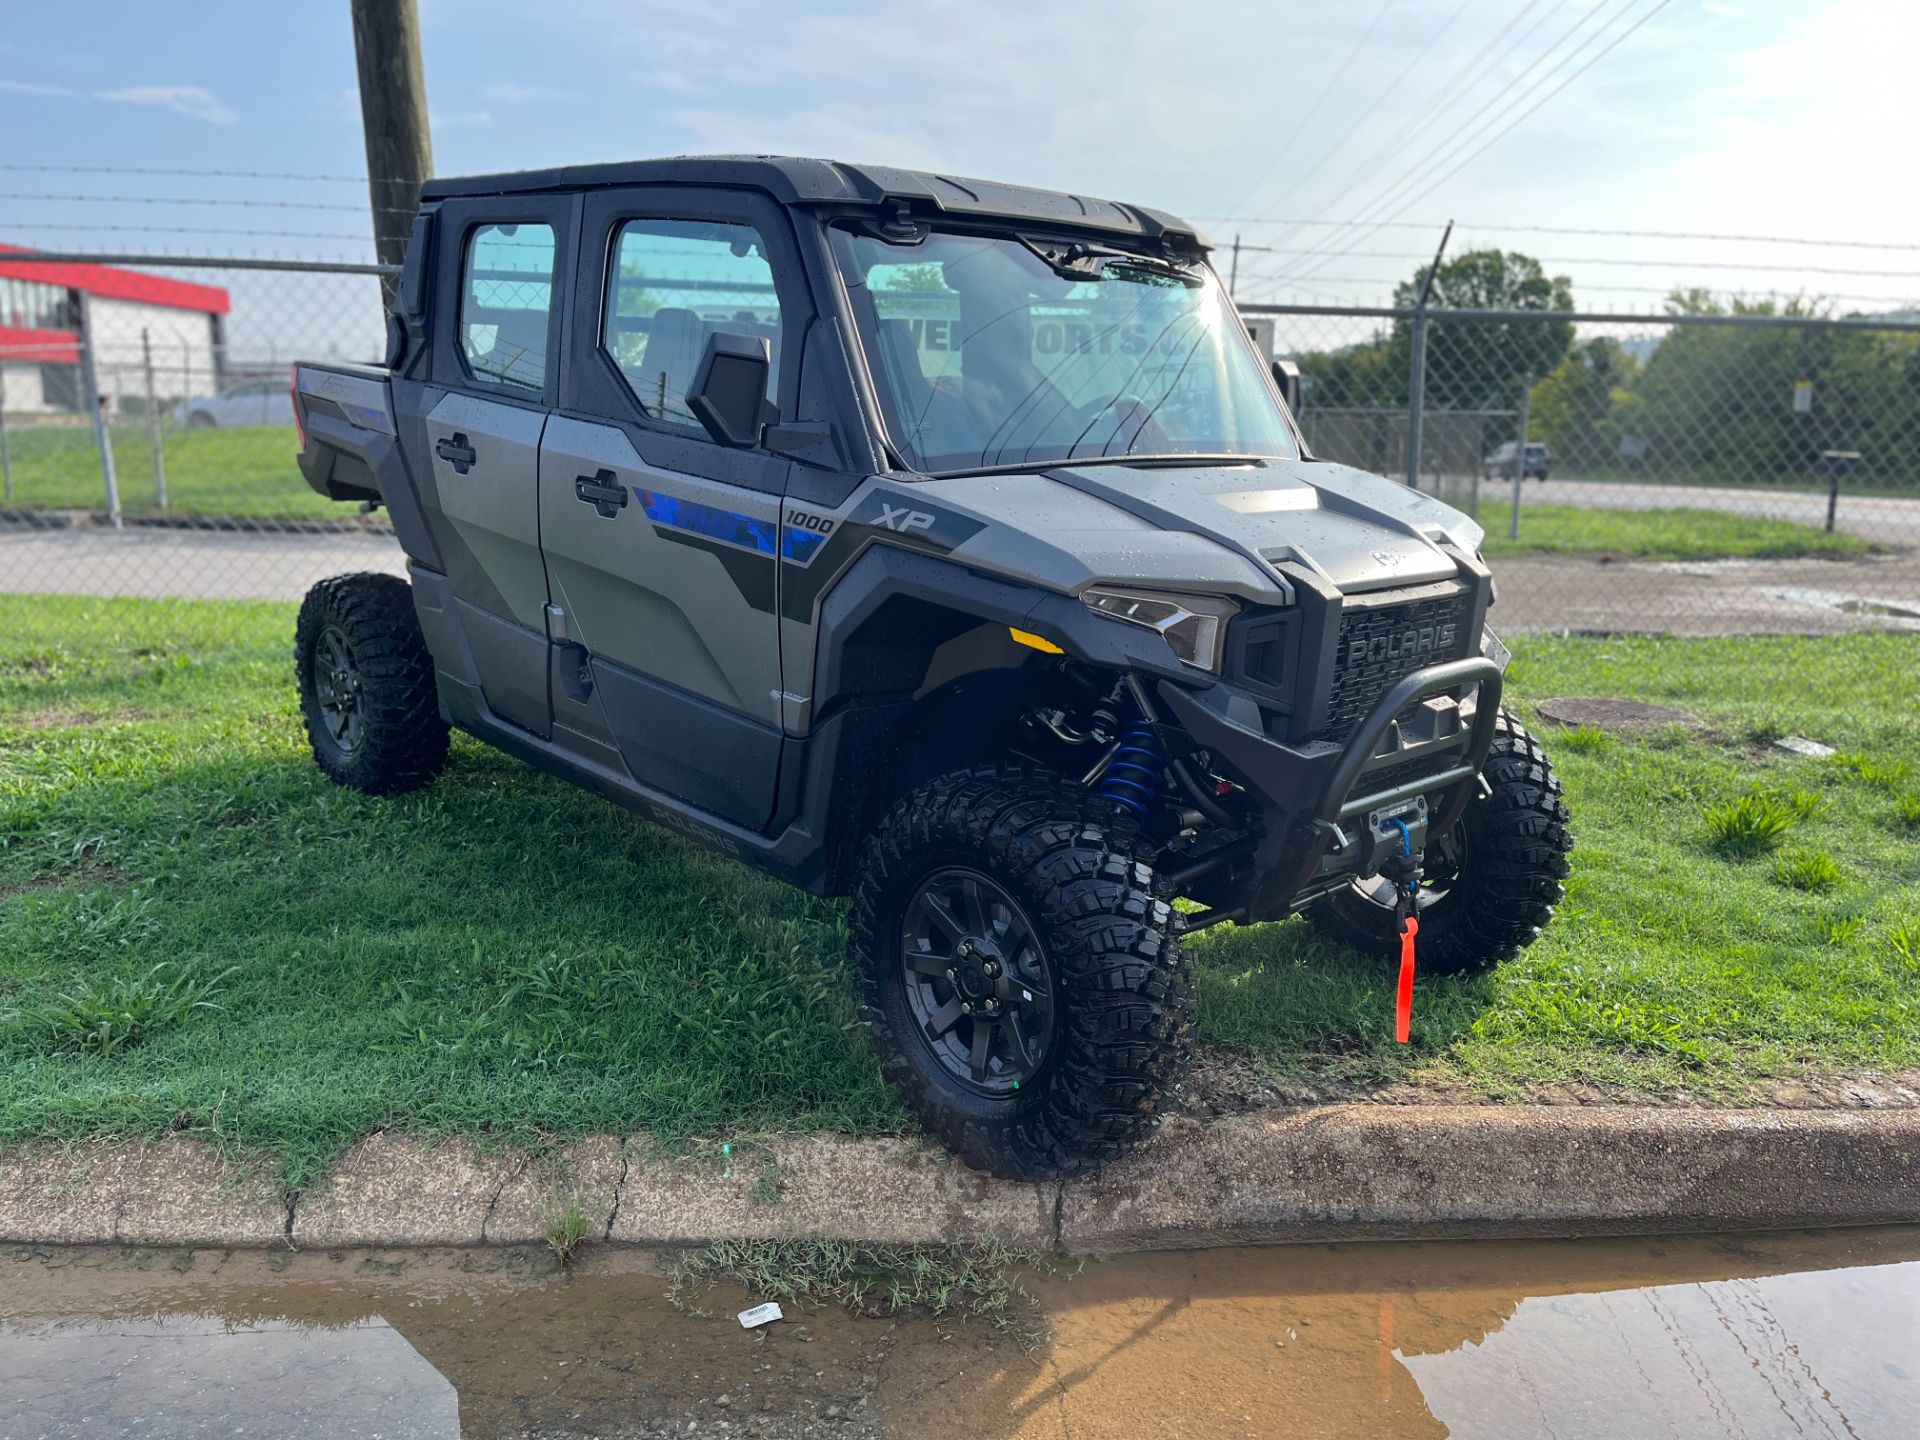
{"points": [[1433, 227], [187, 230], [224, 202], [1636, 262], [1281, 285], [195, 174]]}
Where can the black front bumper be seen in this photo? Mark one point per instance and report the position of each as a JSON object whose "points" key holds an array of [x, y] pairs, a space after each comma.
{"points": [[1427, 733]]}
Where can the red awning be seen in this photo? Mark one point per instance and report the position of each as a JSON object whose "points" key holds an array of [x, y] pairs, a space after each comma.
{"points": [[38, 347], [111, 283]]}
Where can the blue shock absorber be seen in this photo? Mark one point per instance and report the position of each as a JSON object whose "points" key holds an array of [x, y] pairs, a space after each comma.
{"points": [[1138, 771]]}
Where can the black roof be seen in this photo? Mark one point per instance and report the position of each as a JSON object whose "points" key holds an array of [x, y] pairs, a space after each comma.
{"points": [[831, 182]]}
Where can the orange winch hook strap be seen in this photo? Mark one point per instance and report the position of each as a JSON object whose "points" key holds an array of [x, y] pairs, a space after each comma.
{"points": [[1403, 1010]]}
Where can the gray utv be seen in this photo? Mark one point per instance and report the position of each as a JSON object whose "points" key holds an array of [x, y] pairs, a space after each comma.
{"points": [[937, 543]]}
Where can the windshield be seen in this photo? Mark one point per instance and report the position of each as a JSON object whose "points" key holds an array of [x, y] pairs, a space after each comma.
{"points": [[987, 352]]}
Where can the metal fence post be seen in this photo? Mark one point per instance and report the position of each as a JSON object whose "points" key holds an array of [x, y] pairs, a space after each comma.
{"points": [[6, 452], [1520, 458], [154, 446], [90, 388], [1416, 396], [1417, 372]]}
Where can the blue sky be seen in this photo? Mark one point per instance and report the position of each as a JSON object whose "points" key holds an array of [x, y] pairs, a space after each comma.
{"points": [[1741, 116]]}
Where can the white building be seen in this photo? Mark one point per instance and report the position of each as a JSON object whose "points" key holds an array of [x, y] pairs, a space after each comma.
{"points": [[44, 306]]}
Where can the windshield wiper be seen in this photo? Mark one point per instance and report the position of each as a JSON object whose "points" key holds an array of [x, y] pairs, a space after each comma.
{"points": [[1141, 462], [1082, 260]]}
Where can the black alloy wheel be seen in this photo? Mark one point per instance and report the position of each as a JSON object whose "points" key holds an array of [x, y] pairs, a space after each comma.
{"points": [[976, 981], [336, 692]]}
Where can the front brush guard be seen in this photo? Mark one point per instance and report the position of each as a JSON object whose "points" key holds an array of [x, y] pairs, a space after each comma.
{"points": [[1306, 792]]}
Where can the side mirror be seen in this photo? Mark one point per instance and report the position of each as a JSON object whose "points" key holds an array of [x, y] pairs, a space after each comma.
{"points": [[729, 391], [1286, 374]]}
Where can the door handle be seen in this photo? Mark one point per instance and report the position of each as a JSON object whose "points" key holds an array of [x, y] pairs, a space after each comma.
{"points": [[603, 491], [458, 452]]}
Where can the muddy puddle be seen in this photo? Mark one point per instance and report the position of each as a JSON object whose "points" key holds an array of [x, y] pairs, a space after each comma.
{"points": [[1751, 1336]]}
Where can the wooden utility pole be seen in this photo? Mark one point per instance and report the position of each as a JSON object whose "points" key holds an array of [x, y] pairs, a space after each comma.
{"points": [[393, 111]]}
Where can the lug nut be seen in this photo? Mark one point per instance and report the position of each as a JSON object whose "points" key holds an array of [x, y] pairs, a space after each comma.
{"points": [[966, 1007], [953, 974]]}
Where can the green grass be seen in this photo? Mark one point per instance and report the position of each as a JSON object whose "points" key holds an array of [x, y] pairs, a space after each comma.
{"points": [[969, 1284], [1748, 826], [1668, 966], [1675, 534], [506, 957], [243, 472]]}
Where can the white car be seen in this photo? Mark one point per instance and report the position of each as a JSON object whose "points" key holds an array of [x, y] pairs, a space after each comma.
{"points": [[245, 402]]}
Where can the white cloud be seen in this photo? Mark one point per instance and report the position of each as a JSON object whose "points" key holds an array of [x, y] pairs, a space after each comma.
{"points": [[194, 101], [458, 118]]}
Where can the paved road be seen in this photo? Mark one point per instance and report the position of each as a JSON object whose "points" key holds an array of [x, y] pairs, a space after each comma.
{"points": [[1537, 592], [1771, 1335], [186, 564], [1878, 518]]}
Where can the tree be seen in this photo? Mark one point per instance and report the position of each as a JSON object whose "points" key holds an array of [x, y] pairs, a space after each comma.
{"points": [[1717, 400], [1571, 405], [1480, 364], [1354, 377]]}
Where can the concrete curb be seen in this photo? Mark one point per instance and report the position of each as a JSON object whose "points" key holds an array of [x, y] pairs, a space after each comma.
{"points": [[1314, 1173]]}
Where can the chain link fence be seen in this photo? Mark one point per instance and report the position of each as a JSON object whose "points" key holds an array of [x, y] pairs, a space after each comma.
{"points": [[1697, 473], [147, 445], [1694, 473]]}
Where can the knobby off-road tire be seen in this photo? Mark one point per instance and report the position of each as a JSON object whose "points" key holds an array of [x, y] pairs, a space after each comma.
{"points": [[1491, 886], [1064, 905], [366, 685]]}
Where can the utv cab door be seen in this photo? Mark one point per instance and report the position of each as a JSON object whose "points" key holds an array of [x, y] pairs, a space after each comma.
{"points": [[662, 544], [502, 281]]}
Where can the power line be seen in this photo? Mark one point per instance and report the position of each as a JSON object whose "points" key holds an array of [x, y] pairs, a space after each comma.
{"points": [[1508, 98], [1299, 126], [1436, 104], [1516, 119]]}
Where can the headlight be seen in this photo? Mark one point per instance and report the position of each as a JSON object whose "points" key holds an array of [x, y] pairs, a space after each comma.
{"points": [[1194, 625]]}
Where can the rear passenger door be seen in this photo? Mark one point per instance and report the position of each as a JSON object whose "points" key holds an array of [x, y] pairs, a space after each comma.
{"points": [[661, 545], [506, 261]]}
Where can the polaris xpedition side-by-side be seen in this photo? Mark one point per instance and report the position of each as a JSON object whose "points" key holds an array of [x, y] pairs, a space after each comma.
{"points": [[937, 543]]}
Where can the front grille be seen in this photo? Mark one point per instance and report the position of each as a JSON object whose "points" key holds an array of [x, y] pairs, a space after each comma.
{"points": [[1381, 641]]}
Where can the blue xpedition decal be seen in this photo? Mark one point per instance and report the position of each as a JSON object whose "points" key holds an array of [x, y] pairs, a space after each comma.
{"points": [[728, 526]]}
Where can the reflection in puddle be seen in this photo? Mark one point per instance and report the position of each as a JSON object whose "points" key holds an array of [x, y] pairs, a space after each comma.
{"points": [[1796, 1335]]}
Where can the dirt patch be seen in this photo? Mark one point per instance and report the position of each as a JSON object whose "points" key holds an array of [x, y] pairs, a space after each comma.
{"points": [[1617, 717], [85, 875]]}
